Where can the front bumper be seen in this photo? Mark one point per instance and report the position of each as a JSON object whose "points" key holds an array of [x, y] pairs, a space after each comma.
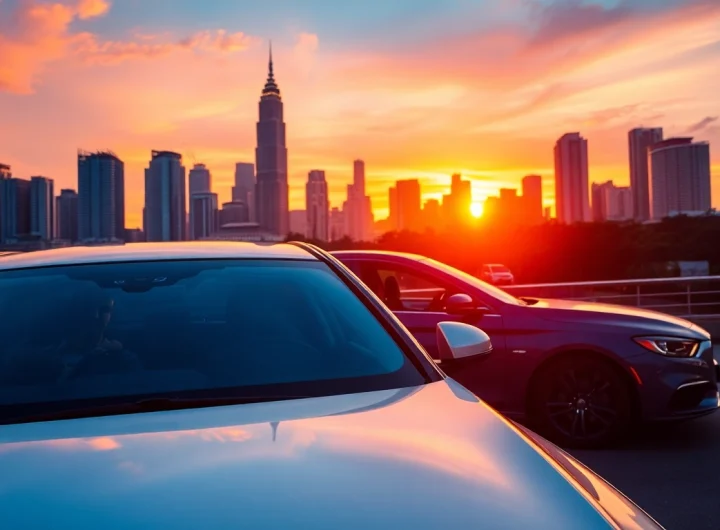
{"points": [[676, 389]]}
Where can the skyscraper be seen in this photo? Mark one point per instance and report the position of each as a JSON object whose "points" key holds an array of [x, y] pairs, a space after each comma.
{"points": [[271, 161], [532, 198], [66, 208], [199, 179], [572, 201], [406, 208], [611, 203], [337, 224], [203, 215], [456, 205], [5, 174], [680, 177], [317, 206], [14, 209], [101, 196], [639, 142], [358, 206], [42, 208], [244, 188], [165, 210]]}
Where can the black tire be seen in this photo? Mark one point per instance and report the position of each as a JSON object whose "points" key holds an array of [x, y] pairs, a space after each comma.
{"points": [[581, 402]]}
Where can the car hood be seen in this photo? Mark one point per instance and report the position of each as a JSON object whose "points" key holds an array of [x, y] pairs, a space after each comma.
{"points": [[428, 457], [577, 310]]}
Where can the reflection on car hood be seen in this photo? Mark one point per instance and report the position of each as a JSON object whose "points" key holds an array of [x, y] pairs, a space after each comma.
{"points": [[431, 457]]}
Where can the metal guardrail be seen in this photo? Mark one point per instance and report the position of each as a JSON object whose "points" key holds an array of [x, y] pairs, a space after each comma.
{"points": [[692, 296]]}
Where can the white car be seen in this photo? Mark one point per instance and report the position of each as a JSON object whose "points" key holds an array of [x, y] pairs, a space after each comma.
{"points": [[497, 274], [226, 385]]}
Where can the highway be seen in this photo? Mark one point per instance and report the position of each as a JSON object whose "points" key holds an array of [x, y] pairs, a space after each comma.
{"points": [[671, 471]]}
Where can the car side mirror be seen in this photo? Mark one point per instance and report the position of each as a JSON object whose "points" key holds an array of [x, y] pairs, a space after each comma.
{"points": [[456, 341], [462, 304]]}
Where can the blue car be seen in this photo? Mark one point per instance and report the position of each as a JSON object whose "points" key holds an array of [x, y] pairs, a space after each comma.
{"points": [[225, 385], [582, 374]]}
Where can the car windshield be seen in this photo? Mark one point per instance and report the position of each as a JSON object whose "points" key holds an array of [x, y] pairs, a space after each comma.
{"points": [[186, 328], [488, 289], [499, 268]]}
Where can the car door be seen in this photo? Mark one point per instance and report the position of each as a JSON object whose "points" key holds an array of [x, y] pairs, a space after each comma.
{"points": [[415, 298]]}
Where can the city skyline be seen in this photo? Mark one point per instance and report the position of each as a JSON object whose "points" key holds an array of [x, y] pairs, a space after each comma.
{"points": [[346, 98]]}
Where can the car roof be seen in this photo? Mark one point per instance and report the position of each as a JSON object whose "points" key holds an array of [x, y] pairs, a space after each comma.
{"points": [[376, 254], [153, 252]]}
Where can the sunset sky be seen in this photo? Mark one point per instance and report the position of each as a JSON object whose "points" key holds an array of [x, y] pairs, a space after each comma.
{"points": [[416, 88]]}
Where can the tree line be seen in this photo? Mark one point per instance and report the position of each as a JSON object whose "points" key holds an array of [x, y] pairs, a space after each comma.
{"points": [[553, 252]]}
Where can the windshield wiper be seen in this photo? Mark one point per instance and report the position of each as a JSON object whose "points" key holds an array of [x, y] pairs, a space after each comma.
{"points": [[155, 404], [528, 300]]}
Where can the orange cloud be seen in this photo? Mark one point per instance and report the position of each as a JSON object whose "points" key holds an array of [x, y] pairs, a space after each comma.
{"points": [[92, 8]]}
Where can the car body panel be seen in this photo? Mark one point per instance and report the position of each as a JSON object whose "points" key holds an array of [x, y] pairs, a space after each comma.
{"points": [[425, 457], [154, 251], [533, 334]]}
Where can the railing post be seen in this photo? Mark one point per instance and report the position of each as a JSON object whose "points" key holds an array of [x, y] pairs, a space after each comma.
{"points": [[637, 295], [689, 299]]}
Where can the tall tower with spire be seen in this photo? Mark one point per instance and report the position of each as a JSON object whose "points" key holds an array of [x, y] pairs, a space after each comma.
{"points": [[271, 197]]}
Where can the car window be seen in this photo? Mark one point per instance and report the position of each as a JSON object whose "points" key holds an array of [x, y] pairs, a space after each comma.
{"points": [[500, 268], [404, 290], [491, 291], [102, 331]]}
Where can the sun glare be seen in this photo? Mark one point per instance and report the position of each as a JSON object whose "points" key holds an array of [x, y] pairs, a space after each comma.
{"points": [[476, 209]]}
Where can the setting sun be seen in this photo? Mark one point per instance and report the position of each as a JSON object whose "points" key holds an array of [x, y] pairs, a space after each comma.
{"points": [[476, 209]]}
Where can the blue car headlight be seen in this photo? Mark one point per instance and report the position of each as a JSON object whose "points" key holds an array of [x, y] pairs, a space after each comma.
{"points": [[670, 346]]}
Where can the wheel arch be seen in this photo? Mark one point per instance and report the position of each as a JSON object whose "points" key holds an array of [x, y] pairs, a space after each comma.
{"points": [[587, 351]]}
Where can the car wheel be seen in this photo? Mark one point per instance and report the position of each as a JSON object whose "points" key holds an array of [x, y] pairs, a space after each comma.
{"points": [[581, 402]]}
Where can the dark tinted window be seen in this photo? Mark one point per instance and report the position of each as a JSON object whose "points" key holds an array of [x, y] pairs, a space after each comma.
{"points": [[99, 331]]}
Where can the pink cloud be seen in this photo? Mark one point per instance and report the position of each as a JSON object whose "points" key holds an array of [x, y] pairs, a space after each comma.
{"points": [[37, 34], [88, 48]]}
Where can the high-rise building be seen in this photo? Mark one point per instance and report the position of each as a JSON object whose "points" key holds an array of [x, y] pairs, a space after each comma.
{"points": [[101, 196], [203, 215], [5, 172], [406, 205], [639, 142], [298, 222], [244, 188], [532, 199], [317, 206], [42, 208], [271, 198], [199, 179], [508, 208], [680, 177], [572, 200], [431, 214], [234, 213], [165, 210], [14, 209], [337, 224], [66, 216], [456, 205], [358, 206], [611, 203]]}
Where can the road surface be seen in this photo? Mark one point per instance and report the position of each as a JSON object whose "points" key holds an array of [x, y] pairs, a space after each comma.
{"points": [[671, 471]]}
